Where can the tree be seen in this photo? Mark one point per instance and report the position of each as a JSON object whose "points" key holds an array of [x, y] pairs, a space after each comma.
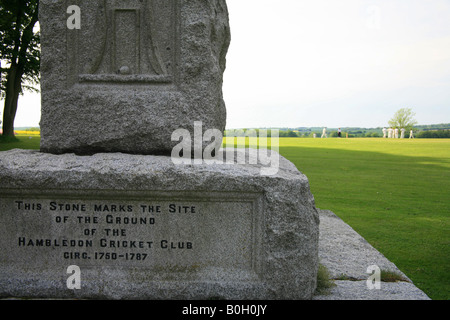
{"points": [[19, 54], [292, 134], [403, 118]]}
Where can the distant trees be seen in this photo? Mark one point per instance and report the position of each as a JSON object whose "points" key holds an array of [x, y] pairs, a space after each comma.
{"points": [[434, 134], [403, 118], [421, 131]]}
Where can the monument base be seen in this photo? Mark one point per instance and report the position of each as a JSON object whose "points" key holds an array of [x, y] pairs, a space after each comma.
{"points": [[119, 226]]}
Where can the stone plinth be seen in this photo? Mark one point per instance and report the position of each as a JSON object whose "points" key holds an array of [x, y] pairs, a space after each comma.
{"points": [[140, 227]]}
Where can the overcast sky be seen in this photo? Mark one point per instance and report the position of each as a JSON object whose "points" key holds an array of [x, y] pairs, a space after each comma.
{"points": [[333, 63]]}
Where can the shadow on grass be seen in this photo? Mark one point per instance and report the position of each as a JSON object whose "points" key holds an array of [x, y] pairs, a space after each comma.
{"points": [[20, 142], [8, 139]]}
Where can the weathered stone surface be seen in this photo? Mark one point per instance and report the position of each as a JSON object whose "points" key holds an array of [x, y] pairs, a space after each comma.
{"points": [[244, 235], [133, 73]]}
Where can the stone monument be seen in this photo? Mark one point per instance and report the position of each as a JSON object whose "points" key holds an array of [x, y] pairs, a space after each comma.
{"points": [[103, 211]]}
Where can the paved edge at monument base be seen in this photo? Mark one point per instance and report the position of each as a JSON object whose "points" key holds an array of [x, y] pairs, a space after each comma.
{"points": [[348, 255], [281, 261]]}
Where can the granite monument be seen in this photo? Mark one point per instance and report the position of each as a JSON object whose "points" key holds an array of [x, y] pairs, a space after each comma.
{"points": [[103, 211]]}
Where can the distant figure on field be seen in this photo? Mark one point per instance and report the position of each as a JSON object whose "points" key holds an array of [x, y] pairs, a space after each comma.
{"points": [[411, 134], [390, 133], [339, 132], [314, 135], [324, 133], [396, 133], [402, 136], [384, 132]]}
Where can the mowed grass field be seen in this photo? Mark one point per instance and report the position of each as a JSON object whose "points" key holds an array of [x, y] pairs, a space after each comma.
{"points": [[395, 193], [25, 140]]}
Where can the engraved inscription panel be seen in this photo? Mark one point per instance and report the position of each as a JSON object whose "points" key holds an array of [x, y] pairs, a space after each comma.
{"points": [[157, 232], [124, 41]]}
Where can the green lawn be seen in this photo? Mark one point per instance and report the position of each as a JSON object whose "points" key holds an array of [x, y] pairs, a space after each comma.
{"points": [[23, 142], [395, 193]]}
